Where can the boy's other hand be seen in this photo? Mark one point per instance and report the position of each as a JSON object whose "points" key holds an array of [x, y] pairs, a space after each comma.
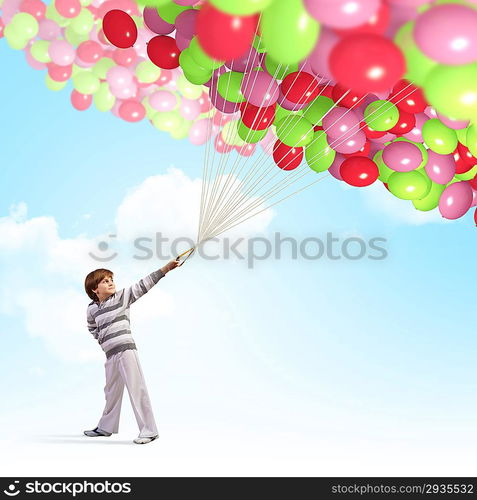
{"points": [[170, 266]]}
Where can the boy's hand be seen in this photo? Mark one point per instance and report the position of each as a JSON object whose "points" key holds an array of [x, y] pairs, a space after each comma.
{"points": [[169, 266]]}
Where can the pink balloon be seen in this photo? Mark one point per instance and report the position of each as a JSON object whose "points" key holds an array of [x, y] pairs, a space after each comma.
{"points": [[340, 121], [440, 168], [59, 73], [128, 6], [260, 89], [448, 34], [334, 169], [198, 132], [129, 91], [48, 29], [402, 156], [182, 42], [320, 56], [186, 2], [9, 9], [451, 123], [155, 23], [61, 52], [68, 8], [205, 104], [163, 100], [219, 102], [246, 150], [245, 63], [416, 133], [131, 111], [350, 142], [221, 146], [165, 78], [36, 8], [455, 200], [125, 57], [342, 13], [119, 77], [81, 102], [33, 62], [2, 28], [185, 23], [189, 109], [89, 51]]}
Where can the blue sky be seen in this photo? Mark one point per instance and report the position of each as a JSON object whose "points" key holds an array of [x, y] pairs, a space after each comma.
{"points": [[382, 351]]}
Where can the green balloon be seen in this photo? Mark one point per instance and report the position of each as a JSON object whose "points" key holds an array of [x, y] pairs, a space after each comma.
{"points": [[471, 139], [384, 171], [103, 99], [467, 176], [230, 133], [381, 115], [52, 85], [15, 41], [75, 38], [228, 86], [418, 65], [147, 72], [169, 11], [83, 23], [182, 131], [248, 135], [101, 68], [318, 153], [288, 31], [24, 25], [452, 90], [412, 185], [152, 3], [315, 111], [431, 200], [188, 89], [52, 13], [422, 148], [258, 44], [241, 7], [85, 82], [277, 70], [295, 131], [201, 58], [281, 113], [462, 135], [167, 121], [194, 73], [39, 51], [439, 138]]}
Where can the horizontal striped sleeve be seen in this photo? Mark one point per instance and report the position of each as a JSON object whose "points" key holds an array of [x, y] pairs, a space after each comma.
{"points": [[91, 323], [134, 292]]}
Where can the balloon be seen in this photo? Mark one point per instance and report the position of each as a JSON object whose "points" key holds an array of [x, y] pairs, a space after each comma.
{"points": [[249, 135], [35, 8], [471, 139], [246, 149], [163, 52], [229, 86], [431, 200], [223, 36], [359, 171], [167, 121], [451, 123], [456, 200], [346, 97], [147, 72], [59, 73], [300, 87], [369, 132], [189, 109], [405, 124], [48, 29], [119, 77], [340, 121], [170, 11], [260, 89], [288, 31], [376, 24], [201, 58], [350, 142], [466, 155], [83, 23], [384, 171], [155, 22], [68, 8], [89, 52], [163, 100], [241, 7], [409, 185], [186, 23], [198, 133], [277, 70], [402, 156], [438, 137], [318, 109], [342, 13], [440, 168], [319, 155], [258, 118], [85, 82], [456, 29], [193, 72], [408, 97], [295, 131], [286, 157], [132, 111], [103, 99], [319, 59], [334, 169], [120, 29], [61, 52], [367, 63], [81, 102], [381, 115]]}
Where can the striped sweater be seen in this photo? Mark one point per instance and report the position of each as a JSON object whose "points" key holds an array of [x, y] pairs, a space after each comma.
{"points": [[108, 321]]}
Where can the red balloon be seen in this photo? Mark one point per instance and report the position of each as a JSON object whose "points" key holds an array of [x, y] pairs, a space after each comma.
{"points": [[359, 171], [327, 91], [376, 25], [347, 97], [120, 29], [131, 111], [79, 101], [286, 157], [370, 133], [461, 166], [317, 128], [466, 155], [405, 124], [300, 87], [364, 151], [367, 63], [473, 183], [475, 216], [223, 36], [163, 52], [408, 97], [257, 118], [59, 73]]}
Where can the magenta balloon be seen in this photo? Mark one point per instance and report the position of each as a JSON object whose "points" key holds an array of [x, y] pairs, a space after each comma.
{"points": [[245, 63], [455, 200], [402, 156], [474, 198], [260, 89], [155, 22], [219, 102], [440, 168], [48, 29], [351, 142], [340, 121], [416, 133], [290, 106], [185, 23], [334, 169], [448, 34], [319, 57], [186, 2], [383, 139], [451, 123], [342, 13], [182, 42], [163, 100]]}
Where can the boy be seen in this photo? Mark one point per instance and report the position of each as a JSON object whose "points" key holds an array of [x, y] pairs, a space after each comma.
{"points": [[108, 322]]}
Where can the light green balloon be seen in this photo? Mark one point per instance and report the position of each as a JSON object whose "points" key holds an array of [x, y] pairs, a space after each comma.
{"points": [[467, 176], [169, 11], [241, 7], [83, 23], [412, 185], [228, 86], [85, 82], [52, 13], [462, 135], [182, 131], [248, 135], [439, 138], [103, 99], [471, 139], [384, 171], [288, 31], [85, 3], [452, 90], [101, 68], [295, 131], [277, 70], [230, 133], [187, 89], [24, 25], [167, 121], [150, 111], [201, 58], [152, 3], [318, 153], [315, 111], [431, 200], [39, 51], [147, 72], [417, 64], [15, 41], [194, 73], [52, 85], [381, 115], [75, 38], [281, 113]]}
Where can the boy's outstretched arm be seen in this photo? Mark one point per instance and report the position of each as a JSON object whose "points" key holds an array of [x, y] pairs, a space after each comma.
{"points": [[132, 293]]}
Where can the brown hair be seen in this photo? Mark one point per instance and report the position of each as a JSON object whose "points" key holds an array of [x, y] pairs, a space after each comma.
{"points": [[93, 279]]}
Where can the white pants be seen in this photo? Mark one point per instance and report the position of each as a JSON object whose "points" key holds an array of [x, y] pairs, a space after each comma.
{"points": [[122, 369]]}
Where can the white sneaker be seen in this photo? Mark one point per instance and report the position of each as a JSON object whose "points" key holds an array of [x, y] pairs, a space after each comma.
{"points": [[145, 440]]}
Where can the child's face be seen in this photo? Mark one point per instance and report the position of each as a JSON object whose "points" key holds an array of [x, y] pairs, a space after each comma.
{"points": [[106, 287]]}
